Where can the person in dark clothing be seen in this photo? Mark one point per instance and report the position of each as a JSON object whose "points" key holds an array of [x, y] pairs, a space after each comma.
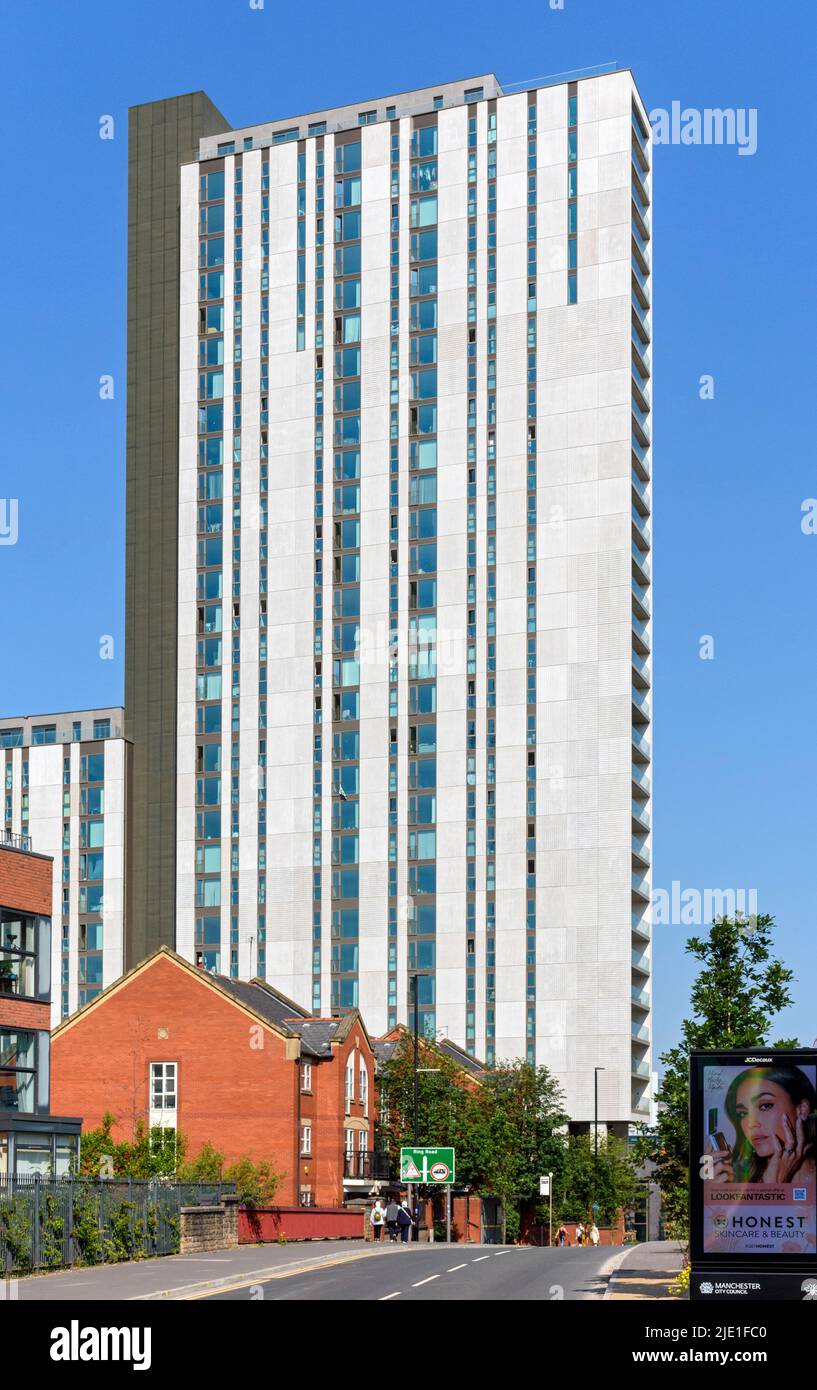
{"points": [[392, 1212], [404, 1222]]}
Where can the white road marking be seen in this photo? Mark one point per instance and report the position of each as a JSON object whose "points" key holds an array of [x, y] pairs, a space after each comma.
{"points": [[453, 1267], [387, 1296], [479, 1259], [420, 1282], [502, 1252]]}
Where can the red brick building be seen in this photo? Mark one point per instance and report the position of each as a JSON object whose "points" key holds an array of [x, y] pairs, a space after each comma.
{"points": [[32, 1141], [233, 1062]]}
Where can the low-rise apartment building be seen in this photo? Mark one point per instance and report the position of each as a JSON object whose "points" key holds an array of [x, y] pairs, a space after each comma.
{"points": [[233, 1062], [64, 780], [32, 1141]]}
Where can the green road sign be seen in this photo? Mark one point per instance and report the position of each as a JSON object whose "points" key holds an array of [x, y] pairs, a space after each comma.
{"points": [[427, 1165]]}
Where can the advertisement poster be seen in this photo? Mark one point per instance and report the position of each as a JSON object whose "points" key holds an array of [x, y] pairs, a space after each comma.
{"points": [[758, 1118]]}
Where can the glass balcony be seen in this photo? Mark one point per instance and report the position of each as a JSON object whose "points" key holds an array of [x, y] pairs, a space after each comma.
{"points": [[641, 565], [640, 997], [641, 887], [643, 531], [641, 701], [640, 225], [641, 425], [639, 187], [640, 1069], [640, 927], [640, 1032], [639, 154], [641, 462], [641, 601], [640, 318], [641, 387], [641, 855], [642, 139], [642, 744], [642, 351], [641, 490], [642, 279], [640, 816], [640, 961]]}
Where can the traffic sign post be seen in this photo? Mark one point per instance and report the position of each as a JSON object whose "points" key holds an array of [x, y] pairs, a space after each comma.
{"points": [[546, 1190], [427, 1165]]}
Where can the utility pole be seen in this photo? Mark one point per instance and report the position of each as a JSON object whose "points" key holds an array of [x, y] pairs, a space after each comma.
{"points": [[416, 1060], [411, 1200]]}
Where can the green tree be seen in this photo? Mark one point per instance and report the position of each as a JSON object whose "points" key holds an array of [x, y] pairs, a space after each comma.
{"points": [[517, 1134], [153, 1153], [160, 1153], [607, 1180], [734, 999], [507, 1125], [445, 1098]]}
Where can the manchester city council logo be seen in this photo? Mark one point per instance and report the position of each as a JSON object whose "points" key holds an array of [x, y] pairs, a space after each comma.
{"points": [[706, 1287]]}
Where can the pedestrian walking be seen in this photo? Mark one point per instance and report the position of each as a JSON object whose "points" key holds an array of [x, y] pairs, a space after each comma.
{"points": [[594, 1234], [580, 1234], [392, 1211], [377, 1220], [405, 1222], [561, 1236]]}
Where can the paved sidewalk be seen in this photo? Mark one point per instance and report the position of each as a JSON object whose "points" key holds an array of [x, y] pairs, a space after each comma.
{"points": [[180, 1276], [647, 1271]]}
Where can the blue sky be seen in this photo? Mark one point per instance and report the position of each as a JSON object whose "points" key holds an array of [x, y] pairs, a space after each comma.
{"points": [[734, 273]]}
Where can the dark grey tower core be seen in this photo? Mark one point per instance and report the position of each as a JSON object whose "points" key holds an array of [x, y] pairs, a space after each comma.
{"points": [[162, 135]]}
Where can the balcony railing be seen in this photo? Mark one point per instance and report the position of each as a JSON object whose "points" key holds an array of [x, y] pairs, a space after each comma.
{"points": [[641, 564], [640, 887], [10, 841], [639, 925], [641, 743], [641, 595], [370, 1165]]}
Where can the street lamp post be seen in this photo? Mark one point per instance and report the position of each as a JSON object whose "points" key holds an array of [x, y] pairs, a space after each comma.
{"points": [[411, 1199], [416, 1059], [596, 1071]]}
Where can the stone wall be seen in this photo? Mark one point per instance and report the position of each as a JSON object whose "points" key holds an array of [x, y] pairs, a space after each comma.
{"points": [[210, 1227]]}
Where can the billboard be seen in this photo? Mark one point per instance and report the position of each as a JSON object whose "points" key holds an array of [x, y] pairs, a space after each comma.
{"points": [[753, 1145]]}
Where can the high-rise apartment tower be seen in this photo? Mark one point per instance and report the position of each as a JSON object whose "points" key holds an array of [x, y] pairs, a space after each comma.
{"points": [[390, 666]]}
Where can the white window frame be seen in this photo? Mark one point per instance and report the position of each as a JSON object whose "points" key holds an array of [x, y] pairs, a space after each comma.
{"points": [[349, 1146], [169, 1071], [363, 1086], [350, 1081], [306, 1076], [306, 1139]]}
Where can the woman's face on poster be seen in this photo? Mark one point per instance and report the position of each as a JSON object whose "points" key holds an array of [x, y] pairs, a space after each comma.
{"points": [[762, 1106]]}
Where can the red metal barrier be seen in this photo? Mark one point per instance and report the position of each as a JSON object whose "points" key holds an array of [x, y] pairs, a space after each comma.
{"points": [[268, 1224]]}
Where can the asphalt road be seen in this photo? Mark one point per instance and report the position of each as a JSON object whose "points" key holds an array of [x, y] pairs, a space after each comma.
{"points": [[416, 1273]]}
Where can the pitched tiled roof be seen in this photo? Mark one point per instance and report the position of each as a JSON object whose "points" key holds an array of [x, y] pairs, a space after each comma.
{"points": [[316, 1034], [385, 1048], [264, 1000]]}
